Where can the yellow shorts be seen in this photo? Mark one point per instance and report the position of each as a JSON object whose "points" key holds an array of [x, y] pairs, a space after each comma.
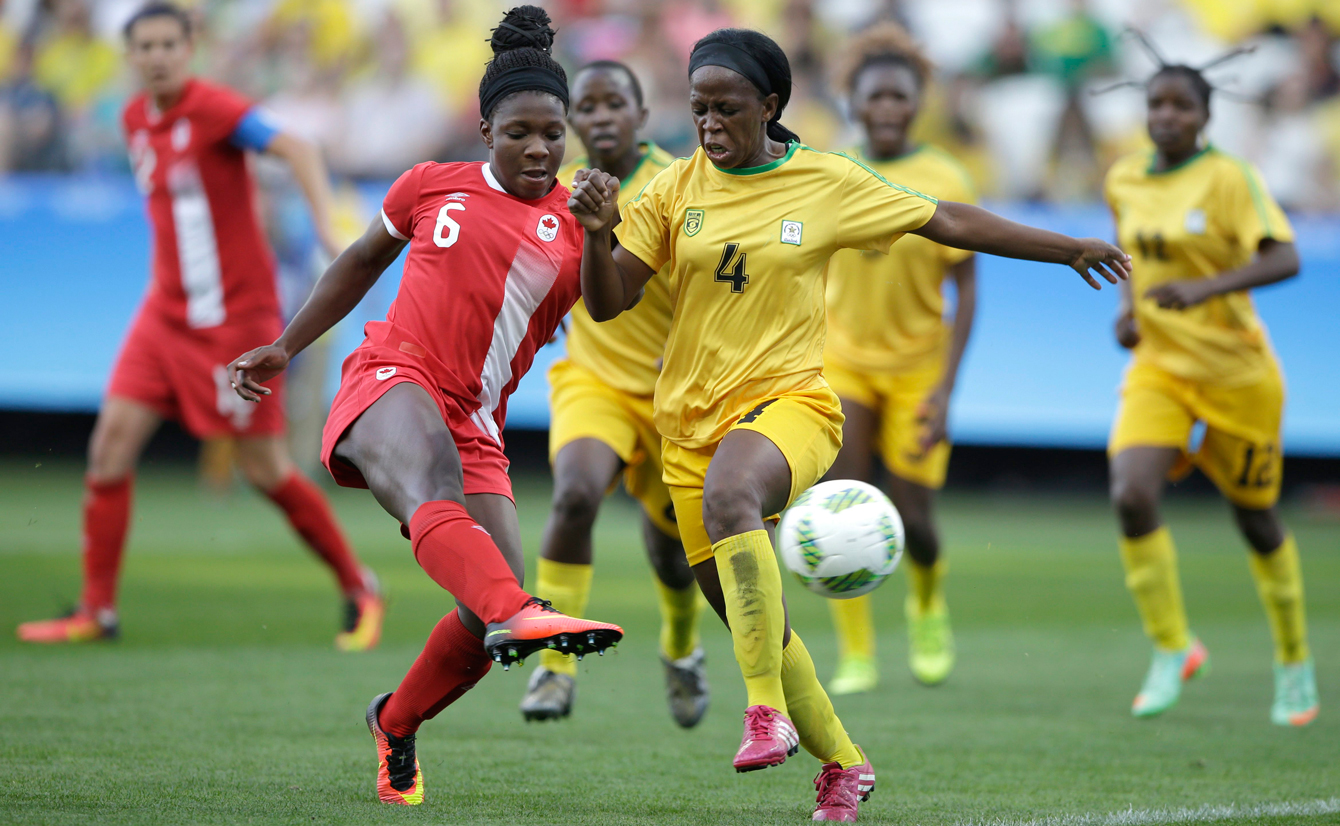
{"points": [[895, 399], [806, 426], [1240, 452], [584, 407]]}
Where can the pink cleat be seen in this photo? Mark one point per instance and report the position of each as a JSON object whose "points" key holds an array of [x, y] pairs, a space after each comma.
{"points": [[769, 738], [841, 790]]}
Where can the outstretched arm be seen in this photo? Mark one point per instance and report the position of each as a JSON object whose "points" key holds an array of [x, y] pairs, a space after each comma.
{"points": [[337, 292], [1274, 262], [968, 227], [304, 158], [612, 277]]}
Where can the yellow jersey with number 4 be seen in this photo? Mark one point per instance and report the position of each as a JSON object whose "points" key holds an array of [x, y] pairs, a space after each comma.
{"points": [[747, 252], [1206, 216], [886, 311], [625, 352]]}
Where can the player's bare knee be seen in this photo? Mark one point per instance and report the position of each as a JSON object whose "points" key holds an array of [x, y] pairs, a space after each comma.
{"points": [[1261, 528], [923, 544], [576, 503], [1136, 506], [730, 507]]}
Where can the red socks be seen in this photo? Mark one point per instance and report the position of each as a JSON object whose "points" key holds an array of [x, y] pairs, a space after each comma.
{"points": [[106, 516], [450, 665], [310, 515], [460, 556]]}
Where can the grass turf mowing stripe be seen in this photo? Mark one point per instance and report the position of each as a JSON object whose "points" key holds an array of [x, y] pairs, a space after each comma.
{"points": [[1200, 814]]}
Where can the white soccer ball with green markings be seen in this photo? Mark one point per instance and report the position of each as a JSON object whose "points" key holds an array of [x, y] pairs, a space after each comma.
{"points": [[841, 538]]}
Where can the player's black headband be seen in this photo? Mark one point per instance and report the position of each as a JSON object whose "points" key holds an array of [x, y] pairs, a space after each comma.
{"points": [[733, 58], [522, 79]]}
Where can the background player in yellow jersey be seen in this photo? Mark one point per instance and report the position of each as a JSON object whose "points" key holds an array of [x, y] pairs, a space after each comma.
{"points": [[746, 226], [1203, 231], [892, 358], [601, 400]]}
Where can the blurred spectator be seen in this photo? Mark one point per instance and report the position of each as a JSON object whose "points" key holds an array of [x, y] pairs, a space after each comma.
{"points": [[391, 120], [70, 61]]}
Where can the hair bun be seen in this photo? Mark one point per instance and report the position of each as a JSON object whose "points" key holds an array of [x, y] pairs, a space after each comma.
{"points": [[524, 27]]}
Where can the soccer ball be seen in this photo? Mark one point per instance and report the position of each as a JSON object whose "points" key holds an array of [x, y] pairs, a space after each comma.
{"points": [[841, 538]]}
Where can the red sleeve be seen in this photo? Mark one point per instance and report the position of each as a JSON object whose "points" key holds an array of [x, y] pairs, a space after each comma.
{"points": [[399, 203], [223, 109]]}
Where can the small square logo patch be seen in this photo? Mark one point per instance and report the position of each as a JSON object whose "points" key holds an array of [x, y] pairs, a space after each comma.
{"points": [[693, 221], [791, 231], [1196, 223]]}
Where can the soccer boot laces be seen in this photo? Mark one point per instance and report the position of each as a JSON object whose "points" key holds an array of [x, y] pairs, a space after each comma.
{"points": [[686, 687], [399, 779], [539, 626], [841, 791], [549, 695], [769, 738], [1168, 672]]}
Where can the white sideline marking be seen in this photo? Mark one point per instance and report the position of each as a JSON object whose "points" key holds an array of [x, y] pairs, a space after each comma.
{"points": [[1156, 817]]}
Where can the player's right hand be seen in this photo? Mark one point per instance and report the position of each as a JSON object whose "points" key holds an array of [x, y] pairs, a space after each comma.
{"points": [[1128, 335], [250, 370], [594, 199]]}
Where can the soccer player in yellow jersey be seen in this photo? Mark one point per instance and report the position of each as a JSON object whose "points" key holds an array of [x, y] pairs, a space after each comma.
{"points": [[893, 359], [601, 426], [1203, 231], [746, 227]]}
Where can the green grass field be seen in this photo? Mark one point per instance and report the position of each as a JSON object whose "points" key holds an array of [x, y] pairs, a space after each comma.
{"points": [[225, 702]]}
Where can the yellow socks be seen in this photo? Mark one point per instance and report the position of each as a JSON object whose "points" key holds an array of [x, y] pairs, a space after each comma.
{"points": [[568, 587], [925, 585], [1151, 576], [855, 629], [808, 706], [1280, 584], [752, 586], [679, 619]]}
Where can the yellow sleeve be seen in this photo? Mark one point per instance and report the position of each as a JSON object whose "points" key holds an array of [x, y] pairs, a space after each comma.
{"points": [[645, 227], [874, 213], [1251, 213]]}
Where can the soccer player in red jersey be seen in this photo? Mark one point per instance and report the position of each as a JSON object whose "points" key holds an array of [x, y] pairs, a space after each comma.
{"points": [[492, 269], [212, 294]]}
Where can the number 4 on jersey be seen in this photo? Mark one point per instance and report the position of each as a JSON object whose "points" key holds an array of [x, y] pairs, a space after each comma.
{"points": [[731, 268]]}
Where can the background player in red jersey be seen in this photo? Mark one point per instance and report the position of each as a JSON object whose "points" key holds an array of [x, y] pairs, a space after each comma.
{"points": [[492, 269], [212, 294]]}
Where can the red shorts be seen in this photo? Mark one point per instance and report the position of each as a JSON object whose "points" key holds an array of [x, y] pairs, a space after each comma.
{"points": [[183, 375], [370, 371]]}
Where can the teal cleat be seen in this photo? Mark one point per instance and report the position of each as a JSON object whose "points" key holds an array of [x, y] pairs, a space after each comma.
{"points": [[1296, 702], [1168, 671]]}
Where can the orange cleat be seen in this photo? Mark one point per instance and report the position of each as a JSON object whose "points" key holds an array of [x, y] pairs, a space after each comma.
{"points": [[399, 778], [77, 625], [363, 617], [538, 626]]}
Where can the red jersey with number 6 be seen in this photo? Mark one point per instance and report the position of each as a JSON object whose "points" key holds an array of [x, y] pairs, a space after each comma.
{"points": [[211, 263], [488, 278]]}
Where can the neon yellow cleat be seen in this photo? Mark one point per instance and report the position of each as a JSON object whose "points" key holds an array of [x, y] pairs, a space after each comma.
{"points": [[930, 643], [855, 675]]}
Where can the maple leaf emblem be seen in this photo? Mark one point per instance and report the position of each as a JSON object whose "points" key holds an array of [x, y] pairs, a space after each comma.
{"points": [[549, 222]]}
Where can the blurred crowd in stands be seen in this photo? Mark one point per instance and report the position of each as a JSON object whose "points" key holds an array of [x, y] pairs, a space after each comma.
{"points": [[383, 84]]}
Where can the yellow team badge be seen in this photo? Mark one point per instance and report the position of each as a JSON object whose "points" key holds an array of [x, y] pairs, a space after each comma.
{"points": [[693, 221]]}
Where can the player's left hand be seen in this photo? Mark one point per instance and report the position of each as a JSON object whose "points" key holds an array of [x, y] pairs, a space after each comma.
{"points": [[249, 371], [594, 199], [1178, 295], [1103, 258], [933, 417]]}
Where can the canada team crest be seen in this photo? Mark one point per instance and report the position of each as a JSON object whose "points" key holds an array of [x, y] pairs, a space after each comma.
{"points": [[693, 221], [547, 229]]}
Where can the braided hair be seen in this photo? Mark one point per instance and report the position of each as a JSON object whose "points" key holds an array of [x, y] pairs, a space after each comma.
{"points": [[522, 61], [1194, 75], [771, 60], [884, 44]]}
